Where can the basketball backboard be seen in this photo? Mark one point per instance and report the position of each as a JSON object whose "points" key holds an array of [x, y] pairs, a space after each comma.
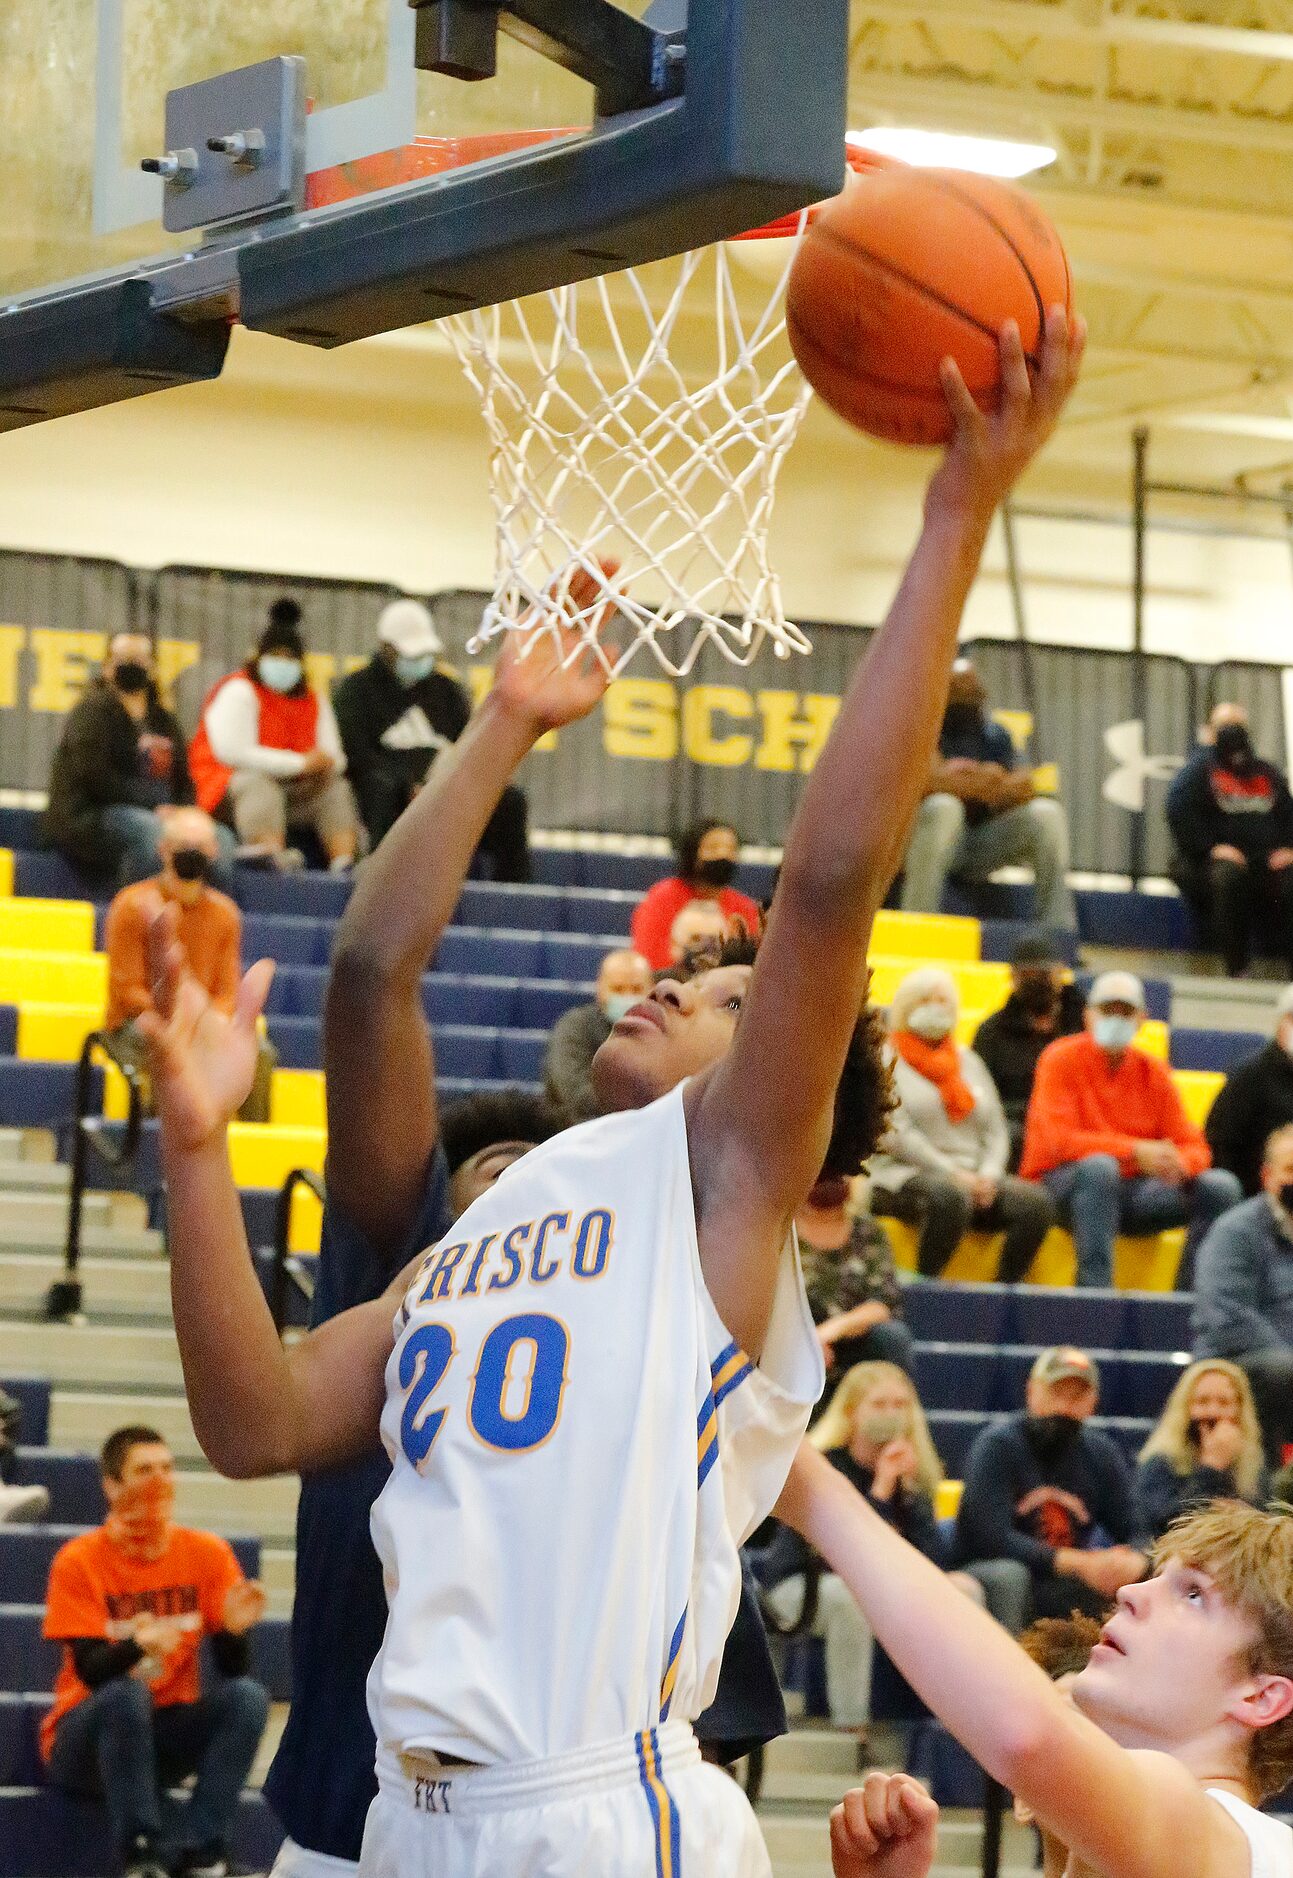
{"points": [[374, 198]]}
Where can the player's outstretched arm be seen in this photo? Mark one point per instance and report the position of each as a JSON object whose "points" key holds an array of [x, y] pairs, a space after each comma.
{"points": [[1128, 1815], [257, 1408], [382, 1123], [759, 1126]]}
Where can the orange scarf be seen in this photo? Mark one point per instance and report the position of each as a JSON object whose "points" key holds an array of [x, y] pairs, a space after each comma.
{"points": [[939, 1063]]}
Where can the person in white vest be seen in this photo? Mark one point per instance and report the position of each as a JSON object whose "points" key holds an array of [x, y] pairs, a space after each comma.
{"points": [[592, 1389]]}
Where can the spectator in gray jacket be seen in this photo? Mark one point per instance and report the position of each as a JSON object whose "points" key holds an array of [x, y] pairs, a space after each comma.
{"points": [[624, 979], [942, 1164], [1243, 1293]]}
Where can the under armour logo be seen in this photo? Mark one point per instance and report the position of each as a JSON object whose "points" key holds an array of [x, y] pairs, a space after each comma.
{"points": [[1125, 786]]}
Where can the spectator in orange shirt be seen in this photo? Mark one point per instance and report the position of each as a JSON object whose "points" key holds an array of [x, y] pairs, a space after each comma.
{"points": [[1107, 1134], [210, 931], [131, 1603], [706, 863]]}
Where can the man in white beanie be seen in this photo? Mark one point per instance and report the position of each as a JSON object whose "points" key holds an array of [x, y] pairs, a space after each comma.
{"points": [[1107, 1134], [396, 714]]}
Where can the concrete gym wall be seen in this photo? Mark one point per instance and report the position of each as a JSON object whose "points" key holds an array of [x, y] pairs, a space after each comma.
{"points": [[370, 462]]}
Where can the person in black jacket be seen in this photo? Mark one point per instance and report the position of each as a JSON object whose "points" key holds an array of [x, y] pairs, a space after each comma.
{"points": [[120, 765], [1043, 1004], [1255, 1100], [1206, 1445], [1231, 818], [1042, 1488], [396, 714]]}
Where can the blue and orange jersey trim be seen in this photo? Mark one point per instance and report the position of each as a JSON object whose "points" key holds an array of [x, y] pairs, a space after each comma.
{"points": [[664, 1814], [671, 1668], [728, 1371]]}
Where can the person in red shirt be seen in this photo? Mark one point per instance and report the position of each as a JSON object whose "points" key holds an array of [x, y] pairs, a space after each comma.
{"points": [[131, 1602], [1107, 1134], [706, 863]]}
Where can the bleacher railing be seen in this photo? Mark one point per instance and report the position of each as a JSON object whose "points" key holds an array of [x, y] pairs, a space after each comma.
{"points": [[286, 1270], [92, 1132]]}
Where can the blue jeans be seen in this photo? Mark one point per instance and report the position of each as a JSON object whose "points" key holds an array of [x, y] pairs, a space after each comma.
{"points": [[1096, 1201], [131, 836], [117, 1745]]}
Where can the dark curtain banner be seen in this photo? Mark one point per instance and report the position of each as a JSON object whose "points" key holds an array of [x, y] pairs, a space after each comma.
{"points": [[729, 741]]}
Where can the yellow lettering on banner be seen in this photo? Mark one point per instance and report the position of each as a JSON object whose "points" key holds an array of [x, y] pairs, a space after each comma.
{"points": [[173, 658], [64, 662], [700, 706], [12, 641], [795, 728], [640, 718], [320, 670]]}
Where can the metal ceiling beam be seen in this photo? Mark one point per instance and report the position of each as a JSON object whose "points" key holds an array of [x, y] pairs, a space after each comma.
{"points": [[1020, 18]]}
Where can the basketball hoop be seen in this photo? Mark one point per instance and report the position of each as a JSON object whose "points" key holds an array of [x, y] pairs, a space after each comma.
{"points": [[644, 417]]}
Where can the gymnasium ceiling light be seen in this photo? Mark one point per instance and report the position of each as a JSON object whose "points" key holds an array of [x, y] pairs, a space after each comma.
{"points": [[941, 149]]}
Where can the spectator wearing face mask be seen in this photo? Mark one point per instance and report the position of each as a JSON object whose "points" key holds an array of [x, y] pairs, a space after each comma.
{"points": [[1255, 1100], [397, 715], [942, 1163], [1206, 1445], [267, 755], [1044, 1004], [981, 812], [706, 864], [1107, 1134], [1231, 818], [1044, 1487], [119, 770], [1243, 1294], [209, 930], [623, 980]]}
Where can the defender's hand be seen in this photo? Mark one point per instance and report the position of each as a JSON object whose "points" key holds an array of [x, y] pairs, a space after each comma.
{"points": [[886, 1828], [541, 674]]}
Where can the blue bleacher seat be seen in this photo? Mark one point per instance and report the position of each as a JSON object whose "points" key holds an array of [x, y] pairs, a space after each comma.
{"points": [[75, 1495], [957, 1375], [298, 1041], [26, 1553], [20, 828], [45, 1834], [48, 876], [285, 937], [572, 955], [519, 1054], [39, 1095], [455, 998], [1158, 1320], [1066, 1314], [8, 1029], [20, 1719], [476, 951], [957, 1313], [1214, 1049], [31, 1393], [999, 937], [540, 1004], [307, 895]]}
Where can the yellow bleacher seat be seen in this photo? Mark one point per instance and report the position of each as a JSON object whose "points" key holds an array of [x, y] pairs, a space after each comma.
{"points": [[947, 1500], [54, 1033], [982, 988], [262, 1155], [1153, 1039], [1138, 1264], [1198, 1090], [940, 936], [6, 871], [46, 926], [307, 1218], [53, 977], [296, 1099]]}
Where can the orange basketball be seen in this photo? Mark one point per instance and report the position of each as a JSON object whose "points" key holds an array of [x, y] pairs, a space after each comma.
{"points": [[909, 266]]}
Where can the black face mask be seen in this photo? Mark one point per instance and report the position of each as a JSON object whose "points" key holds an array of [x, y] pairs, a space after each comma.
{"points": [[715, 873], [1037, 996], [1234, 748], [962, 720], [130, 677], [1051, 1435], [191, 864]]}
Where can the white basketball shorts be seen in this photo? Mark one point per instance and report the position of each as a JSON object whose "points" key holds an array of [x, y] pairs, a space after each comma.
{"points": [[645, 1807], [294, 1861]]}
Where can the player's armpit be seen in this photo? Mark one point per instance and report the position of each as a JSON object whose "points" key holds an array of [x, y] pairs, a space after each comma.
{"points": [[338, 1389]]}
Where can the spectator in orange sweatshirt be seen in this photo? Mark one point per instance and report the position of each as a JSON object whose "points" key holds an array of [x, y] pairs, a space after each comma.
{"points": [[1107, 1134]]}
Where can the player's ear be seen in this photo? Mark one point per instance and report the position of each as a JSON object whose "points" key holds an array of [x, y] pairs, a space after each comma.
{"points": [[1263, 1700]]}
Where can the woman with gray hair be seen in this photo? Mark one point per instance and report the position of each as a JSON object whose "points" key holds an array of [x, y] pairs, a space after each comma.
{"points": [[942, 1163]]}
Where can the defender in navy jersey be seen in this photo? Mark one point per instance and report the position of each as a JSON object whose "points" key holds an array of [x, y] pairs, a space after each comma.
{"points": [[624, 1307]]}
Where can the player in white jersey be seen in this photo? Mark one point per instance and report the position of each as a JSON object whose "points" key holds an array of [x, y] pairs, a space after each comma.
{"points": [[1154, 1761], [596, 1385]]}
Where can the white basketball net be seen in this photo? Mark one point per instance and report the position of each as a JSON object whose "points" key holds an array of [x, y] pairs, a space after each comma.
{"points": [[603, 445]]}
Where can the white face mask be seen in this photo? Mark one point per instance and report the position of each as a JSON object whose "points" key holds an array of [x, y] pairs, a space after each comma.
{"points": [[1112, 1032], [617, 1004], [279, 673], [931, 1021]]}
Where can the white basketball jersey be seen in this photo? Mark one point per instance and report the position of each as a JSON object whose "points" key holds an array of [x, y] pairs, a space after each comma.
{"points": [[1270, 1840], [578, 1446]]}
